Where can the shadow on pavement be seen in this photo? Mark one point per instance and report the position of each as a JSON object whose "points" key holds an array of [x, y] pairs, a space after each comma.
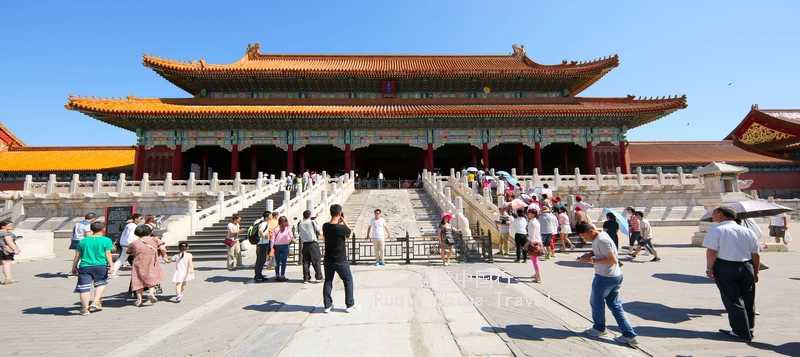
{"points": [[56, 311], [662, 313], [684, 278], [573, 264], [209, 268], [788, 349], [52, 275], [794, 278], [274, 305], [666, 332], [531, 333], [231, 279]]}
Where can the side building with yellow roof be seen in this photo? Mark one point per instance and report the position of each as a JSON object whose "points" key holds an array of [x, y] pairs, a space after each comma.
{"points": [[18, 159]]}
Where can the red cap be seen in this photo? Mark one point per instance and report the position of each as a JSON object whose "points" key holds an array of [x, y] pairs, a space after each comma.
{"points": [[578, 209], [578, 198]]}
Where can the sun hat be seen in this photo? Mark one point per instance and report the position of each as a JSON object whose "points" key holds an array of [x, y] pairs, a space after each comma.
{"points": [[445, 214]]}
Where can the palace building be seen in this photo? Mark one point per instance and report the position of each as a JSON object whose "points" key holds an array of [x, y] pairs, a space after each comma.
{"points": [[398, 114], [395, 113]]}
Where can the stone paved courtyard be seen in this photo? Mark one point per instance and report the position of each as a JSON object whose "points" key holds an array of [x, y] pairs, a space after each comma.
{"points": [[673, 307]]}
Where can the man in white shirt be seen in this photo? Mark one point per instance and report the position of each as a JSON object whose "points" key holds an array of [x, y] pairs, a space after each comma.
{"points": [[234, 250], [504, 227], [732, 260], [583, 205], [378, 231], [306, 179], [778, 225], [125, 239], [606, 284]]}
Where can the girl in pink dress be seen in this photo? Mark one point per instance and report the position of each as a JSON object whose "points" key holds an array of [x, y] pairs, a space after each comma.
{"points": [[184, 270]]}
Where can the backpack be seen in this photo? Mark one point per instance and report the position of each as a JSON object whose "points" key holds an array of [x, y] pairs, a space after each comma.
{"points": [[252, 233]]}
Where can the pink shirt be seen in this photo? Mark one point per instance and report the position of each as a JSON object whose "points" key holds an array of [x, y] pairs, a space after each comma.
{"points": [[563, 219], [282, 238]]}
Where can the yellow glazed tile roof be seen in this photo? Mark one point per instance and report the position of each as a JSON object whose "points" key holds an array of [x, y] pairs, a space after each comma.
{"points": [[67, 159]]}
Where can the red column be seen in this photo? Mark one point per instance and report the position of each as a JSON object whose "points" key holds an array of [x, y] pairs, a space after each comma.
{"points": [[302, 160], [624, 158], [520, 161], [204, 165], [590, 157], [177, 163], [138, 163], [430, 158], [565, 158], [537, 157], [290, 159], [425, 159], [253, 162], [474, 156], [234, 161], [486, 156], [348, 159]]}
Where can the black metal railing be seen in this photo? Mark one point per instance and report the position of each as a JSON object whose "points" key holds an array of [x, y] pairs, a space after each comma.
{"points": [[407, 249]]}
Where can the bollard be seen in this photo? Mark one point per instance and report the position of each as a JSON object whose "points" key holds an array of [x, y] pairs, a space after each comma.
{"points": [[353, 241], [491, 248]]}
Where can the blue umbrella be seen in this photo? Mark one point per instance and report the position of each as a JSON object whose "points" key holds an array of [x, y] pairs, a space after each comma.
{"points": [[623, 222], [502, 173], [511, 180]]}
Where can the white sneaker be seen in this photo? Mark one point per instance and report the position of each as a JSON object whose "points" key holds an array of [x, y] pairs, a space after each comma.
{"points": [[353, 308], [113, 276], [646, 253], [328, 309], [630, 341], [595, 333]]}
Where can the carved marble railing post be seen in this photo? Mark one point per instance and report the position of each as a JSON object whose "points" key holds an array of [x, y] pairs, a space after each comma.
{"points": [[237, 181], [214, 181], [287, 199], [681, 176], [620, 177], [447, 195], [578, 177], [98, 182], [51, 183], [259, 187], [121, 183], [145, 182], [26, 187], [73, 184], [323, 198], [221, 205], [639, 175], [501, 201], [660, 175], [192, 212], [453, 172], [514, 173], [190, 183], [310, 205], [536, 180], [556, 178], [598, 176], [168, 182], [271, 180], [270, 206]]}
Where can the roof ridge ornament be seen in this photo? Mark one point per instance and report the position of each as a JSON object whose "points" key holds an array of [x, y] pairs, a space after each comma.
{"points": [[754, 106], [254, 50], [519, 51]]}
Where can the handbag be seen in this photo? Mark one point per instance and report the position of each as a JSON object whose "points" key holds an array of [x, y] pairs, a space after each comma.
{"points": [[7, 250], [229, 242], [271, 263], [535, 249]]}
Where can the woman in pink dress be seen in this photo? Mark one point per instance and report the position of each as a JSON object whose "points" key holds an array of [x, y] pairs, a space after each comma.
{"points": [[147, 271]]}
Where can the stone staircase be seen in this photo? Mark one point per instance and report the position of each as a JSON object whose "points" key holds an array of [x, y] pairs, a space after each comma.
{"points": [[354, 205], [426, 213], [206, 245]]}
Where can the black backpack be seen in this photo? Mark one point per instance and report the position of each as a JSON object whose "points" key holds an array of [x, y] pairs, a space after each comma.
{"points": [[252, 232]]}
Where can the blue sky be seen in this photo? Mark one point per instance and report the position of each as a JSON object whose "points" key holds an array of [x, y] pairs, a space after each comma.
{"points": [[53, 48]]}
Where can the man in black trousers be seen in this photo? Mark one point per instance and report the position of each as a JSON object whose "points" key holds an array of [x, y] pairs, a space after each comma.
{"points": [[732, 260], [262, 247]]}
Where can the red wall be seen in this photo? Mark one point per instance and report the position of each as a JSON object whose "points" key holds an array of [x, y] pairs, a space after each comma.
{"points": [[763, 180], [11, 185]]}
